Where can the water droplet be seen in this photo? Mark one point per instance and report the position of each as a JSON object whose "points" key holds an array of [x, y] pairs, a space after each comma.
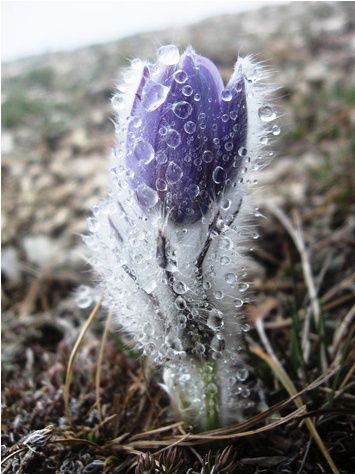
{"points": [[238, 303], [225, 118], [218, 343], [179, 287], [207, 156], [267, 113], [190, 127], [219, 295], [143, 152], [229, 146], [199, 348], [276, 130], [180, 303], [264, 140], [187, 90], [242, 152], [83, 297], [163, 131], [138, 258], [233, 114], [173, 138], [180, 76], [230, 278], [173, 173], [215, 320], [207, 285], [227, 95], [197, 97], [161, 158], [226, 204], [219, 175], [168, 55], [224, 260], [153, 95], [193, 190], [242, 374], [226, 243], [136, 122], [160, 184], [182, 109], [147, 196]]}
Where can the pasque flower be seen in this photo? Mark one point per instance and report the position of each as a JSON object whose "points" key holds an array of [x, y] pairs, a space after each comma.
{"points": [[168, 242]]}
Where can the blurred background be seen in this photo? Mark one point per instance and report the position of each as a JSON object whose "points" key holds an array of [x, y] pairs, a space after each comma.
{"points": [[61, 63]]}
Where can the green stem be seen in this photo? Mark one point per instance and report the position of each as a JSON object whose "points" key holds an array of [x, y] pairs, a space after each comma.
{"points": [[208, 371]]}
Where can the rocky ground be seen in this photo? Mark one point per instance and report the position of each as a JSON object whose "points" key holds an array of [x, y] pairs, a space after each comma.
{"points": [[57, 136]]}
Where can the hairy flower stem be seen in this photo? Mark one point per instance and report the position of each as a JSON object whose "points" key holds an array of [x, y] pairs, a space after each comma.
{"points": [[208, 371]]}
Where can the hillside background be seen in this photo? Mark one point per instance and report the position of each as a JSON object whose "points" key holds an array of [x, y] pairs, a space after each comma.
{"points": [[57, 135]]}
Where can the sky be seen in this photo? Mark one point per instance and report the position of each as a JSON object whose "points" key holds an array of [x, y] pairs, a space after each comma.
{"points": [[34, 27]]}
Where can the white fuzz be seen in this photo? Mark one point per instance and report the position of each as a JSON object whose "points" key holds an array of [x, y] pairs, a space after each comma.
{"points": [[204, 268]]}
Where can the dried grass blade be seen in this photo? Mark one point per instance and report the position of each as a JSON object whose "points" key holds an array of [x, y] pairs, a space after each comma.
{"points": [[69, 373], [281, 374], [99, 363]]}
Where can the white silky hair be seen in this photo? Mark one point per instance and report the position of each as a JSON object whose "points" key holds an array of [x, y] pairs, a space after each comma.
{"points": [[147, 298]]}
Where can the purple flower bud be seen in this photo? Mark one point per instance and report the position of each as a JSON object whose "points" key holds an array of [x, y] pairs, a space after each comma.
{"points": [[185, 130]]}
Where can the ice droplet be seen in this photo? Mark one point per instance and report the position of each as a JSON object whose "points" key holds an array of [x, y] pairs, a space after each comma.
{"points": [[147, 196], [153, 95], [144, 152], [182, 109], [168, 55], [266, 113], [173, 173]]}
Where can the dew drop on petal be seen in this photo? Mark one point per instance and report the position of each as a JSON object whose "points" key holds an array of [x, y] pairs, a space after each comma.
{"points": [[173, 173], [180, 76], [168, 55], [172, 138], [193, 190], [147, 196], [187, 90], [229, 146], [143, 152], [153, 95], [161, 158], [267, 113], [190, 127], [160, 184], [219, 175], [182, 109], [197, 97], [207, 156], [227, 95]]}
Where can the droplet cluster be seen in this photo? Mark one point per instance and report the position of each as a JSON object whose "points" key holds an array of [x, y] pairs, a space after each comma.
{"points": [[169, 240]]}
